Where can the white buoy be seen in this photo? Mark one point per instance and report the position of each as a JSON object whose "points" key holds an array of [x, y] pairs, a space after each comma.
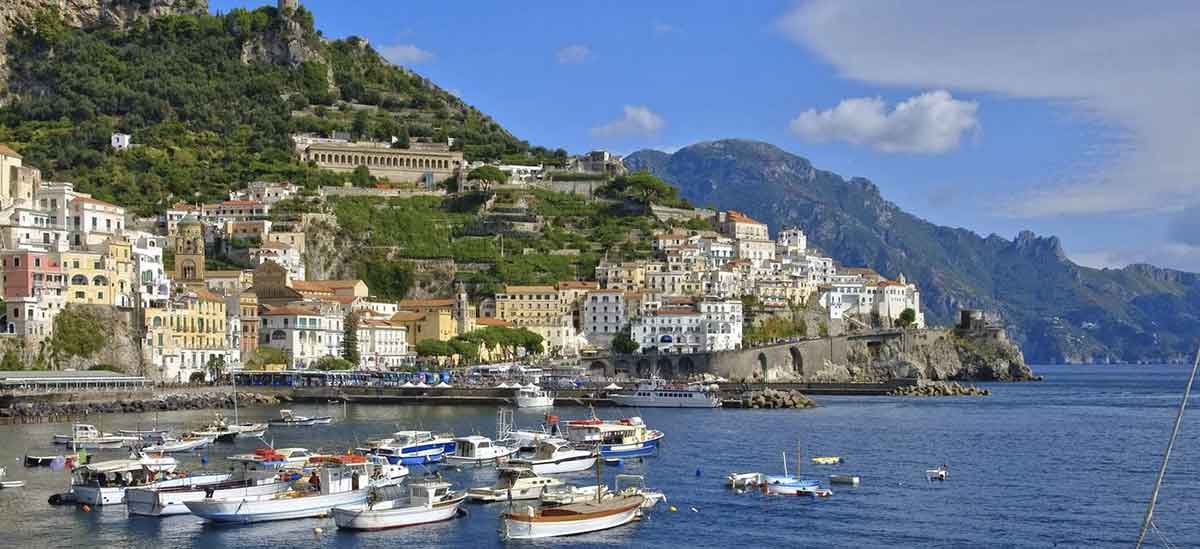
{"points": [[695, 510], [318, 531]]}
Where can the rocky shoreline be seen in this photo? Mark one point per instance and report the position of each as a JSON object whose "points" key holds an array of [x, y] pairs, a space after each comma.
{"points": [[939, 389], [773, 399], [41, 411]]}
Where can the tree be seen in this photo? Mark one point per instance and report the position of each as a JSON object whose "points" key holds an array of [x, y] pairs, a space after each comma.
{"points": [[390, 280], [361, 126], [433, 347], [11, 361], [465, 348], [196, 377], [488, 174], [644, 188], [264, 356], [623, 344], [350, 338], [329, 363], [907, 318], [361, 177], [79, 333], [215, 365]]}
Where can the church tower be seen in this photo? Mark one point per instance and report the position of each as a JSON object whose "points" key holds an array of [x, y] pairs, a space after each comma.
{"points": [[462, 309], [189, 250]]}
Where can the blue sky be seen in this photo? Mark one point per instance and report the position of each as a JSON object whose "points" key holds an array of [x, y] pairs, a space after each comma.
{"points": [[994, 118]]}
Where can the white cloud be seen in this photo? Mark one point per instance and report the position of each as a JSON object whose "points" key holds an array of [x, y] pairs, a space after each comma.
{"points": [[1132, 68], [405, 54], [637, 120], [572, 54], [1173, 255], [930, 123]]}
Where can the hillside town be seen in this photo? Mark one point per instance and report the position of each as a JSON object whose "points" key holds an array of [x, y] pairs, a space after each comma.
{"points": [[192, 320]]}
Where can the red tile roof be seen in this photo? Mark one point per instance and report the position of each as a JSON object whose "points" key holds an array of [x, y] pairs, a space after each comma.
{"points": [[739, 217], [437, 302], [406, 316], [491, 322], [6, 151]]}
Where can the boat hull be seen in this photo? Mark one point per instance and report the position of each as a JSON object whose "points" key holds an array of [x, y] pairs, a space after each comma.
{"points": [[115, 495], [644, 448], [571, 464], [496, 459], [662, 402], [516, 528], [535, 402], [359, 518], [174, 447], [150, 502], [239, 512]]}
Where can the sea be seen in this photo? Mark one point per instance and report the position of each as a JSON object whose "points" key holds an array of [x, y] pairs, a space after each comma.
{"points": [[1066, 462]]}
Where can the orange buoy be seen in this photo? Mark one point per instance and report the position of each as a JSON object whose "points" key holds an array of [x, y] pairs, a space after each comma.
{"points": [[87, 508]]}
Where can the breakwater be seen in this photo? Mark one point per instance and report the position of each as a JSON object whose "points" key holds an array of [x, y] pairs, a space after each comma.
{"points": [[941, 388], [38, 411]]}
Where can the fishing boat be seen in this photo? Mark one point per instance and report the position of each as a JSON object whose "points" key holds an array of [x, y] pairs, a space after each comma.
{"points": [[88, 436], [479, 450], [741, 481], [792, 485], [161, 501], [345, 481], [532, 396], [145, 434], [384, 473], [556, 455], [9, 483], [622, 438], [275, 457], [658, 394], [105, 482], [514, 483], [287, 418], [411, 447], [172, 445], [426, 502], [575, 518]]}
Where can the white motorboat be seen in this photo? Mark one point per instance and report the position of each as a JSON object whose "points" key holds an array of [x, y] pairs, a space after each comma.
{"points": [[514, 483], [479, 450], [161, 501], [622, 438], [9, 483], [576, 518], [411, 447], [556, 455], [275, 457], [287, 418], [88, 436], [426, 502], [938, 473], [344, 481], [217, 430], [533, 396], [626, 485], [171, 445], [104, 483], [385, 473], [249, 430], [658, 394]]}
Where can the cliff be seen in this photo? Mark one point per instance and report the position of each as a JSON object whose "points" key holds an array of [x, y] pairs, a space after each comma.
{"points": [[85, 14], [936, 355]]}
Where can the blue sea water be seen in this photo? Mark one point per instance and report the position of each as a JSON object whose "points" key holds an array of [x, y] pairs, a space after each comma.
{"points": [[1068, 462]]}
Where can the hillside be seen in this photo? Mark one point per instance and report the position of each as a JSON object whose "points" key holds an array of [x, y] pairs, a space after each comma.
{"points": [[1058, 311], [210, 100]]}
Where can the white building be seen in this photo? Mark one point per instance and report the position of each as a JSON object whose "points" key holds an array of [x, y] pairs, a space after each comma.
{"points": [[121, 141], [708, 326], [152, 279], [603, 316], [304, 332], [382, 345], [792, 243], [871, 301], [268, 192], [285, 255]]}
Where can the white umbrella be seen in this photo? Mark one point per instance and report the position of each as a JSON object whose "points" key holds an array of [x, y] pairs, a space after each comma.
{"points": [[502, 385], [421, 385], [442, 385], [407, 384], [612, 386]]}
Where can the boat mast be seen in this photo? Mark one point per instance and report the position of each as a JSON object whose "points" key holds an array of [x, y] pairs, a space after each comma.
{"points": [[598, 462], [785, 473], [798, 459], [1162, 469], [233, 378]]}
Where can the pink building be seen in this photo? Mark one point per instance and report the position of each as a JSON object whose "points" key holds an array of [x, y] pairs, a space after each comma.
{"points": [[33, 291]]}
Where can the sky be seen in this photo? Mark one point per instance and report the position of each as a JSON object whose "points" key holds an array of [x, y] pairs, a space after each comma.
{"points": [[1069, 118]]}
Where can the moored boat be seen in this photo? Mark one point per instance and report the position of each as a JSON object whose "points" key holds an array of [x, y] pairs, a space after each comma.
{"points": [[88, 436], [275, 457], [576, 518], [623, 438], [569, 494], [171, 445], [479, 450], [426, 502], [514, 483], [160, 501], [344, 482], [287, 418], [105, 482], [658, 394], [556, 455], [532, 396], [411, 447], [9, 483]]}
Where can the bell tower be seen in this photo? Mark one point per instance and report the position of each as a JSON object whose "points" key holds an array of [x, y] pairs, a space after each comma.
{"points": [[189, 250]]}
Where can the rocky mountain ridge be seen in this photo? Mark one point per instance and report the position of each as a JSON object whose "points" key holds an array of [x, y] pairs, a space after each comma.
{"points": [[1055, 310]]}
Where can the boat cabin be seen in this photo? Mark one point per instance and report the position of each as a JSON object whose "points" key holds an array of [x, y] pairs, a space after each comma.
{"points": [[119, 473], [548, 447], [521, 477], [428, 492], [345, 475], [623, 431], [473, 446], [81, 431]]}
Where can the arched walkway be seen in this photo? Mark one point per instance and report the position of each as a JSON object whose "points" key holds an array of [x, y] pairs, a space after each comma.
{"points": [[686, 368], [762, 364], [666, 370], [797, 361], [598, 368], [643, 368]]}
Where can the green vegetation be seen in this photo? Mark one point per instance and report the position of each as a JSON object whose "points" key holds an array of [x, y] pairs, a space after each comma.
{"points": [[196, 378], [433, 348], [774, 328], [350, 338], [204, 122], [11, 361], [328, 363], [79, 333], [265, 356], [644, 188], [907, 317], [623, 344], [489, 174]]}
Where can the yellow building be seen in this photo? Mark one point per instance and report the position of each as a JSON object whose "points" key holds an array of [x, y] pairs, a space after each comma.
{"points": [[529, 305], [433, 323], [101, 277], [197, 330]]}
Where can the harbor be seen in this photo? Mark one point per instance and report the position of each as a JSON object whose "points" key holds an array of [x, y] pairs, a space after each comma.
{"points": [[887, 444]]}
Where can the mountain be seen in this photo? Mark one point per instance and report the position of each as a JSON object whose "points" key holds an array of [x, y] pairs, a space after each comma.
{"points": [[210, 100], [1056, 310]]}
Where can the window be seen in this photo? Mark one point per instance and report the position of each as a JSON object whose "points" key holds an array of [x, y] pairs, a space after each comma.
{"points": [[78, 295]]}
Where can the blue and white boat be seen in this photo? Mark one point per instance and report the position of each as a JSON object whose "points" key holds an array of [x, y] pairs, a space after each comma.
{"points": [[793, 485], [622, 438], [411, 447]]}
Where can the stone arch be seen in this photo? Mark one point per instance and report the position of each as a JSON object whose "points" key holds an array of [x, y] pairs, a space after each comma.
{"points": [[666, 370], [687, 367], [762, 365], [622, 369], [643, 368], [797, 361]]}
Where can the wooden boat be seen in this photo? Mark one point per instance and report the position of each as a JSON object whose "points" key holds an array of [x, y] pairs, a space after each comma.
{"points": [[161, 501], [576, 518], [344, 482], [622, 438], [478, 450], [826, 460], [426, 502], [556, 455], [793, 485], [514, 483], [569, 494], [171, 445]]}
